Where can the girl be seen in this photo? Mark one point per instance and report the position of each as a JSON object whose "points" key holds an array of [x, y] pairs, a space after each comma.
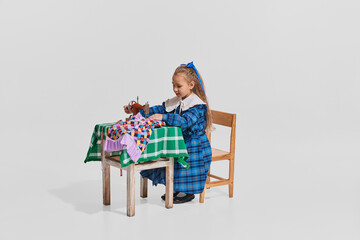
{"points": [[190, 111]]}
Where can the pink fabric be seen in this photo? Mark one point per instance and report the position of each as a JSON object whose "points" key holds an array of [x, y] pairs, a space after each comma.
{"points": [[124, 142]]}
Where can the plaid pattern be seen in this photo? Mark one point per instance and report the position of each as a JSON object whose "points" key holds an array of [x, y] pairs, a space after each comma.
{"points": [[160, 109], [164, 142], [94, 151], [192, 123]]}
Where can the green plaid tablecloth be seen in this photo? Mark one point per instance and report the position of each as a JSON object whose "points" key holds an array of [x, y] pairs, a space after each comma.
{"points": [[164, 142]]}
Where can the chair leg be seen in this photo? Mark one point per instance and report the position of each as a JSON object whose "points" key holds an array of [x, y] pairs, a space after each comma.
{"points": [[169, 184], [143, 187], [106, 182], [130, 190], [202, 195], [231, 190], [208, 178], [231, 177]]}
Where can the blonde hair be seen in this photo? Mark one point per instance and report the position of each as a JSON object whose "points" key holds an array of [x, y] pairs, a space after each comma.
{"points": [[190, 75]]}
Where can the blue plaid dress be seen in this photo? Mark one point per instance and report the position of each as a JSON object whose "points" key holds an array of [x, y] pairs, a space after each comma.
{"points": [[193, 124]]}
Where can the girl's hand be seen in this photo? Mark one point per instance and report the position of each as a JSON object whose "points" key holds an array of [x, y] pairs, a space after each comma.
{"points": [[126, 109], [157, 117]]}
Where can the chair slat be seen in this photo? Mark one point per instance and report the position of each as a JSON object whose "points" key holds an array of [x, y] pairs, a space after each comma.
{"points": [[221, 118], [217, 177], [218, 183]]}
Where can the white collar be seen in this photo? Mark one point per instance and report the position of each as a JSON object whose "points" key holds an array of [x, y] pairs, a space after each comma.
{"points": [[185, 104]]}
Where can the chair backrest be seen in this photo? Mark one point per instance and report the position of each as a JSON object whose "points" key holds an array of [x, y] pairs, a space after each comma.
{"points": [[228, 120]]}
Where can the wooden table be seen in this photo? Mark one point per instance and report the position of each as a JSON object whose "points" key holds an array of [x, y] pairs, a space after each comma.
{"points": [[114, 161], [166, 145]]}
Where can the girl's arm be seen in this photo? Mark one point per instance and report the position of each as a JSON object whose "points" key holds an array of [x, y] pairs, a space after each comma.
{"points": [[158, 109], [188, 119]]}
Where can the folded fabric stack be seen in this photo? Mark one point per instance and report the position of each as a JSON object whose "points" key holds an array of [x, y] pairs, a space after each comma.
{"points": [[132, 135]]}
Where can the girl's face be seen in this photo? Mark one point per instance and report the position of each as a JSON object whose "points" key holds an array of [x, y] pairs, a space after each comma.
{"points": [[182, 88]]}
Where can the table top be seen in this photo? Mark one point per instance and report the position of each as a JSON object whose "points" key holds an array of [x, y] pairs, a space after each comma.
{"points": [[164, 142]]}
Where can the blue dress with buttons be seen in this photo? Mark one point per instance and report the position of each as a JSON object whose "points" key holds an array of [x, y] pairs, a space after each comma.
{"points": [[193, 125]]}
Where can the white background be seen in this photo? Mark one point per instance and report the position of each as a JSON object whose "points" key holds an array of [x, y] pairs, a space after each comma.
{"points": [[290, 70]]}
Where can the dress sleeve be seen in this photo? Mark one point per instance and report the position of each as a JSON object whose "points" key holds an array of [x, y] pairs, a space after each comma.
{"points": [[185, 121], [157, 109]]}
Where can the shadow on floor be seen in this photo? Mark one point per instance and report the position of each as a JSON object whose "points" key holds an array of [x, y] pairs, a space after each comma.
{"points": [[86, 196]]}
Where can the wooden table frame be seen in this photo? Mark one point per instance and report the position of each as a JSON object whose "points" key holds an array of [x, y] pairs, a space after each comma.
{"points": [[107, 161]]}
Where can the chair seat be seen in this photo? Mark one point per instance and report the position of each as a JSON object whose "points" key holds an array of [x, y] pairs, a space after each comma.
{"points": [[218, 154]]}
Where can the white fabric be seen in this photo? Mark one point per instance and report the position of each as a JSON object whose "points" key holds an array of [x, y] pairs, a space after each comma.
{"points": [[185, 104]]}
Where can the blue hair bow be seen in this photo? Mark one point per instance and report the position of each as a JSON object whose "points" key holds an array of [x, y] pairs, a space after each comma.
{"points": [[191, 65]]}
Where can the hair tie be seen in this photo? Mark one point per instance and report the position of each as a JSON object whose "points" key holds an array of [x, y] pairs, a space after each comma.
{"points": [[191, 65]]}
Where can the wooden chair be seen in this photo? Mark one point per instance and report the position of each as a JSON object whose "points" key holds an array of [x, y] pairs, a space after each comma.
{"points": [[228, 120]]}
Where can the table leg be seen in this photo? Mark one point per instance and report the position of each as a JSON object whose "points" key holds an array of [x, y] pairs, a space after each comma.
{"points": [[169, 184], [143, 187], [130, 190], [106, 181]]}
